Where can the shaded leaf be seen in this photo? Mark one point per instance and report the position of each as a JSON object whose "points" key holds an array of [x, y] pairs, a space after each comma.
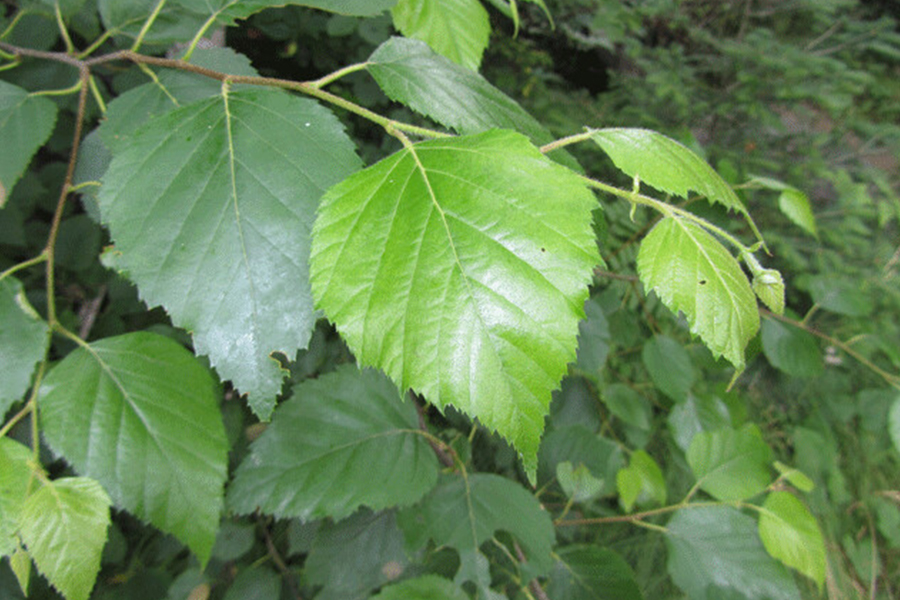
{"points": [[26, 121], [578, 483], [641, 482], [63, 524], [793, 203], [457, 29], [790, 533], [228, 11], [716, 552], [15, 473], [591, 573], [260, 583], [139, 413], [172, 22], [731, 464], [230, 185], [696, 414], [426, 587], [23, 342], [693, 273], [460, 267], [669, 366], [594, 339], [791, 350], [841, 296], [894, 423], [580, 446], [628, 405], [343, 441]]}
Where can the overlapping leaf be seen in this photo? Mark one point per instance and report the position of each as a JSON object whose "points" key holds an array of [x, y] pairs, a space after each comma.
{"points": [[457, 29], [171, 21], [211, 208], [792, 202], [693, 273], [716, 553], [459, 267], [641, 482], [139, 413], [230, 10], [731, 464], [592, 573], [790, 533], [426, 587], [26, 121], [63, 525], [344, 440], [15, 474], [23, 341], [791, 350]]}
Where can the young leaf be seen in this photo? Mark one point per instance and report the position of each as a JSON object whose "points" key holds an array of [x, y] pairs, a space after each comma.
{"points": [[15, 473], [715, 553], [792, 202], [791, 350], [592, 573], [63, 524], [768, 285], [343, 441], [669, 366], [139, 413], [578, 483], [464, 512], [23, 342], [460, 267], [795, 477], [790, 533], [412, 73], [426, 587], [641, 481], [693, 273], [580, 446], [211, 207], [26, 121], [457, 29], [731, 464]]}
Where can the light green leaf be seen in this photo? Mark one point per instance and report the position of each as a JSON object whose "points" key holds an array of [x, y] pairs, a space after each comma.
{"points": [[26, 121], [409, 71], [15, 473], [669, 366], [578, 483], [665, 164], [227, 11], [63, 525], [20, 565], [693, 273], [465, 512], [592, 573], [460, 267], [457, 29], [641, 482], [343, 441], [731, 464], [841, 295], [792, 202], [894, 423], [795, 477], [790, 533], [23, 342], [791, 350], [139, 413], [426, 587], [715, 552], [580, 446], [769, 287], [230, 185]]}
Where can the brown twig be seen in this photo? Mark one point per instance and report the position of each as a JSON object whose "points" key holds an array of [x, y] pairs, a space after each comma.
{"points": [[279, 561], [534, 585]]}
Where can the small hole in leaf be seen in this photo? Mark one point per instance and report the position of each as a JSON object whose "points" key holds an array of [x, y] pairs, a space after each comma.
{"points": [[543, 249], [702, 282]]}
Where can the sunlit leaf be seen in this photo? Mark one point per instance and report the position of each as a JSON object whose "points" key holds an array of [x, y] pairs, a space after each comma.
{"points": [[23, 342], [693, 273], [793, 203], [769, 288], [731, 464], [139, 414], [230, 185], [460, 267], [26, 121], [790, 533], [343, 441], [457, 29], [795, 477], [15, 473], [63, 525], [641, 482]]}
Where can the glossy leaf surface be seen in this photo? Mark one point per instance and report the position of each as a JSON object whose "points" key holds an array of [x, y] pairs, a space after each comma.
{"points": [[731, 464], [592, 573], [790, 533], [343, 441], [63, 525], [139, 413], [693, 273], [211, 207], [23, 341], [460, 267], [715, 552], [26, 121], [457, 29]]}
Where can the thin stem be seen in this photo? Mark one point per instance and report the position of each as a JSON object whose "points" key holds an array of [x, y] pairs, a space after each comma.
{"points": [[13, 23], [640, 516], [147, 25], [64, 32], [63, 92], [322, 82], [98, 97], [199, 36], [42, 257], [97, 43], [16, 418], [566, 141]]}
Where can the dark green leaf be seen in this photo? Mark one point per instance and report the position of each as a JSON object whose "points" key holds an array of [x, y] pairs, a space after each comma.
{"points": [[15, 473], [790, 533], [841, 296], [63, 525], [427, 587], [731, 464], [23, 342], [457, 29], [139, 413], [669, 366], [578, 483], [343, 441], [580, 446], [227, 11], [233, 540], [26, 121], [230, 185], [172, 22], [894, 424], [460, 267], [628, 405], [716, 552], [790, 349], [593, 339], [591, 573], [693, 273], [260, 583], [696, 414]]}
